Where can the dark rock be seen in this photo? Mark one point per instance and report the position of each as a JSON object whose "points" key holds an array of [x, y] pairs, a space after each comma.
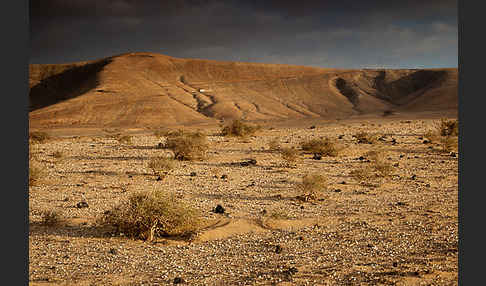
{"points": [[219, 209], [278, 249], [426, 141], [113, 251], [312, 127], [178, 280], [158, 178], [317, 156], [82, 205], [395, 264], [160, 146], [401, 155], [248, 163], [340, 136], [453, 154], [343, 183], [224, 176], [337, 190], [301, 207], [396, 165], [193, 174], [427, 185], [361, 158], [413, 177]]}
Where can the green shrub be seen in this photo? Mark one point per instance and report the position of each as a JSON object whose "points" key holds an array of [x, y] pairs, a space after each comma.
{"points": [[147, 215]]}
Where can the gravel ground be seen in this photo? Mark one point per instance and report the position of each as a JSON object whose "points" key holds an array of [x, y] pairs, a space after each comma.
{"points": [[402, 230]]}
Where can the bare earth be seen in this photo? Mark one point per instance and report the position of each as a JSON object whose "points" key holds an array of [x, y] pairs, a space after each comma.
{"points": [[401, 231]]}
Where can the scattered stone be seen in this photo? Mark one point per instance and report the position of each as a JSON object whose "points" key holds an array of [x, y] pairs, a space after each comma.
{"points": [[426, 141], [160, 146], [396, 165], [248, 163], [158, 178], [361, 158], [219, 209], [453, 154], [337, 190], [82, 204], [278, 249], [395, 264], [66, 199], [401, 204], [413, 177], [401, 155], [427, 185], [317, 156], [224, 176], [343, 183], [340, 136], [312, 127], [178, 280], [193, 174], [113, 251]]}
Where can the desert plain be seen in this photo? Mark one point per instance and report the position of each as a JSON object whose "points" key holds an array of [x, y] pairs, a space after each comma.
{"points": [[398, 229]]}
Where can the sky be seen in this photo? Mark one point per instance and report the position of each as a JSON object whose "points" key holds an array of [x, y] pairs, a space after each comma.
{"points": [[334, 34]]}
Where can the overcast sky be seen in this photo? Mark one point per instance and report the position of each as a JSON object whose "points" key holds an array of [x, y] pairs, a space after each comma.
{"points": [[338, 33]]}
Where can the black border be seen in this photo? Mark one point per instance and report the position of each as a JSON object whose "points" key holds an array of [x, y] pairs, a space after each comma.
{"points": [[14, 117]]}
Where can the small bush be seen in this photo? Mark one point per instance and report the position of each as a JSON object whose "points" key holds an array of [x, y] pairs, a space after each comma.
{"points": [[147, 215], [379, 167], [58, 155], [188, 146], [274, 144], [323, 147], [448, 127], [364, 137], [39, 137], [51, 218], [239, 129], [35, 174], [449, 143], [311, 187], [124, 139], [362, 174], [161, 166], [289, 155]]}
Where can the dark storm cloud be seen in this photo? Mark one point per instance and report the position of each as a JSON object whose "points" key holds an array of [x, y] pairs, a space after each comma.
{"points": [[320, 33]]}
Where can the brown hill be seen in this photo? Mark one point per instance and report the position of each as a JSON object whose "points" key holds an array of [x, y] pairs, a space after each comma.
{"points": [[148, 90]]}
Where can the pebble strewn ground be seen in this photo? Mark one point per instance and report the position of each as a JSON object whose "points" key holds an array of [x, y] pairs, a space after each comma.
{"points": [[402, 231]]}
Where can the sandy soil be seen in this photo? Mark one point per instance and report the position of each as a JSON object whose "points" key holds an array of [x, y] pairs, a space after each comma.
{"points": [[402, 230]]}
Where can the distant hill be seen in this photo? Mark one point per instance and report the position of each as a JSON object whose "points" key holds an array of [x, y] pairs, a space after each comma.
{"points": [[148, 90]]}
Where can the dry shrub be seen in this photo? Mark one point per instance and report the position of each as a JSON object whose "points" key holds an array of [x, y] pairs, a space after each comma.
{"points": [[448, 127], [38, 137], [312, 186], [168, 133], [364, 137], [445, 134], [147, 215], [362, 174], [51, 218], [124, 139], [274, 144], [239, 129], [161, 166], [188, 146], [323, 147], [58, 154], [289, 155], [379, 167], [35, 174]]}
